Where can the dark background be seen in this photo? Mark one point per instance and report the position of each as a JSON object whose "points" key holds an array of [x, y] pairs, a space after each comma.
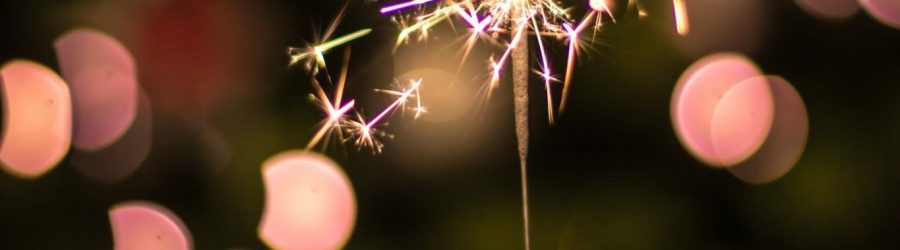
{"points": [[610, 174]]}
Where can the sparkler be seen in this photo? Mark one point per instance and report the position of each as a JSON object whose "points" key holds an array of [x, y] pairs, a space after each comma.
{"points": [[519, 19], [515, 19]]}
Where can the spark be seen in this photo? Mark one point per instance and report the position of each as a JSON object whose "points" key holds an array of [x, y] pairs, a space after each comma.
{"points": [[572, 35], [403, 5], [681, 18], [637, 5], [314, 55], [334, 111], [336, 121], [365, 134], [545, 74]]}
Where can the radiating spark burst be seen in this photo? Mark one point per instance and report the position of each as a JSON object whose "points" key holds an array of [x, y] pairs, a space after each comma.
{"points": [[544, 19], [313, 55], [334, 111], [365, 134], [517, 20]]}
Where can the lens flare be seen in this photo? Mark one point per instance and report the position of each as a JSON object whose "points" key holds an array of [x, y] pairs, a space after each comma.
{"points": [[310, 203], [37, 127], [147, 226]]}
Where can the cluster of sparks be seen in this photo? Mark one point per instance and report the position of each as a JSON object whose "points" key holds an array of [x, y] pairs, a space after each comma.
{"points": [[544, 19], [501, 22], [338, 121], [486, 20]]}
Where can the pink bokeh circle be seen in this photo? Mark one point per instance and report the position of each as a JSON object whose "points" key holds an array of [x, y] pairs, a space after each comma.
{"points": [[37, 118], [310, 203], [140, 225], [718, 123]]}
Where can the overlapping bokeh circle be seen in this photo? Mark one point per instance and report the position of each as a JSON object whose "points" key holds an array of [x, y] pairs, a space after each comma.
{"points": [[729, 115]]}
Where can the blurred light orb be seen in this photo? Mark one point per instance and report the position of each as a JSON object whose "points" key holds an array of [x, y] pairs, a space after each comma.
{"points": [[119, 160], [83, 48], [786, 140], [37, 127], [101, 74], [829, 9], [140, 225], [885, 11], [310, 203], [719, 122], [741, 121], [445, 98]]}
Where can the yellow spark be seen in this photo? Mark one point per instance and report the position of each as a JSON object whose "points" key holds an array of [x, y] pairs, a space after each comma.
{"points": [[316, 53], [545, 74], [681, 17], [334, 111], [573, 35], [342, 40]]}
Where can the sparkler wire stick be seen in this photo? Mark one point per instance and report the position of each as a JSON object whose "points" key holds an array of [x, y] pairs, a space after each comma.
{"points": [[520, 91]]}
